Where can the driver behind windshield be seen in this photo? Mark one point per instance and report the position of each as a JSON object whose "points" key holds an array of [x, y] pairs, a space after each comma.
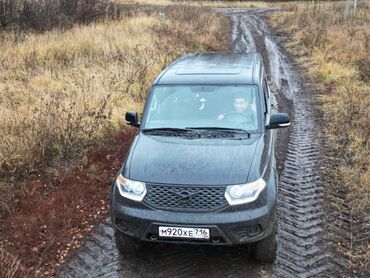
{"points": [[243, 111], [182, 106]]}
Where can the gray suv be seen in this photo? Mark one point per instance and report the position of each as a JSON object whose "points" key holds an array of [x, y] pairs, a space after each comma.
{"points": [[201, 168]]}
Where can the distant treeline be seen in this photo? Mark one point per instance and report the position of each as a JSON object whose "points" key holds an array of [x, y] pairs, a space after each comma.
{"points": [[263, 0], [41, 15]]}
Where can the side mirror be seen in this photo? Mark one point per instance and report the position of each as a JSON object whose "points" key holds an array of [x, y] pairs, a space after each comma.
{"points": [[278, 120], [131, 118]]}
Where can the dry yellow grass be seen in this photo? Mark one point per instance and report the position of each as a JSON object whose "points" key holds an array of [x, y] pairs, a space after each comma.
{"points": [[336, 53], [145, 2], [232, 4], [212, 4], [61, 91], [64, 93]]}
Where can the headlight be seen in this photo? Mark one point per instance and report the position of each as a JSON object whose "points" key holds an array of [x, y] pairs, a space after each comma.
{"points": [[134, 190], [244, 193]]}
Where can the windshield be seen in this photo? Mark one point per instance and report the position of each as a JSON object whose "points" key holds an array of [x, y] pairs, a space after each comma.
{"points": [[196, 106]]}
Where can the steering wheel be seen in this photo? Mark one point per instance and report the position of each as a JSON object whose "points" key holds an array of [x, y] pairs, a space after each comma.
{"points": [[237, 117]]}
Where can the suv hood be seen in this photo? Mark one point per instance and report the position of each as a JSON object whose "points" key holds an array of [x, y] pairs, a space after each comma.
{"points": [[177, 160]]}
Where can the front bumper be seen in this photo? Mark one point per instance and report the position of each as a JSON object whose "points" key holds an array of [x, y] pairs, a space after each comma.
{"points": [[226, 228]]}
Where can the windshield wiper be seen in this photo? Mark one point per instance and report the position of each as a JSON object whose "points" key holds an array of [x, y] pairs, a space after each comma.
{"points": [[171, 130], [222, 129], [224, 132]]}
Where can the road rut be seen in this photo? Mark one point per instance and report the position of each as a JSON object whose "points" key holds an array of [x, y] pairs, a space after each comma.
{"points": [[302, 250]]}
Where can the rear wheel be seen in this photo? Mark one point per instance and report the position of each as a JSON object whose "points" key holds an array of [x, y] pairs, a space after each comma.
{"points": [[125, 243], [265, 249]]}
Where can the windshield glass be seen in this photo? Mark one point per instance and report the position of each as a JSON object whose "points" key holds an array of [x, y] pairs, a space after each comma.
{"points": [[193, 106]]}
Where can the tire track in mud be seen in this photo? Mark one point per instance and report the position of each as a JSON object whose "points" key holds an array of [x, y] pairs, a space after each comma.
{"points": [[99, 258], [301, 249]]}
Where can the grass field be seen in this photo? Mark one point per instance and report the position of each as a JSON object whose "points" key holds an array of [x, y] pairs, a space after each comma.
{"points": [[213, 4], [63, 94], [61, 91], [335, 51], [63, 98]]}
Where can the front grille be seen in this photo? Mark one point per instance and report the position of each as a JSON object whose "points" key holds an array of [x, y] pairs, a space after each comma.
{"points": [[185, 197]]}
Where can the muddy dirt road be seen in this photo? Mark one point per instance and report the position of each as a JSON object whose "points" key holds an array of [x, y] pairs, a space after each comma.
{"points": [[302, 251]]}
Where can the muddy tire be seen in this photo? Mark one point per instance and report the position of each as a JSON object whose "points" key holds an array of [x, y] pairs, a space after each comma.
{"points": [[265, 249], [126, 244]]}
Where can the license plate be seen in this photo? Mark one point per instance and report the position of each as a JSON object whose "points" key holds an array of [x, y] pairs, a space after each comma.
{"points": [[179, 232]]}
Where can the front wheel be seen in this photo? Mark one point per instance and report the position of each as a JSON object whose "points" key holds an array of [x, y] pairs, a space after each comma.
{"points": [[265, 249]]}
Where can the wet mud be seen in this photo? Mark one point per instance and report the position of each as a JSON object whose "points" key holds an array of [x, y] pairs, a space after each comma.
{"points": [[302, 251]]}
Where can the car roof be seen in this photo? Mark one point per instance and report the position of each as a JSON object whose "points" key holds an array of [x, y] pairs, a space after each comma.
{"points": [[213, 68]]}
